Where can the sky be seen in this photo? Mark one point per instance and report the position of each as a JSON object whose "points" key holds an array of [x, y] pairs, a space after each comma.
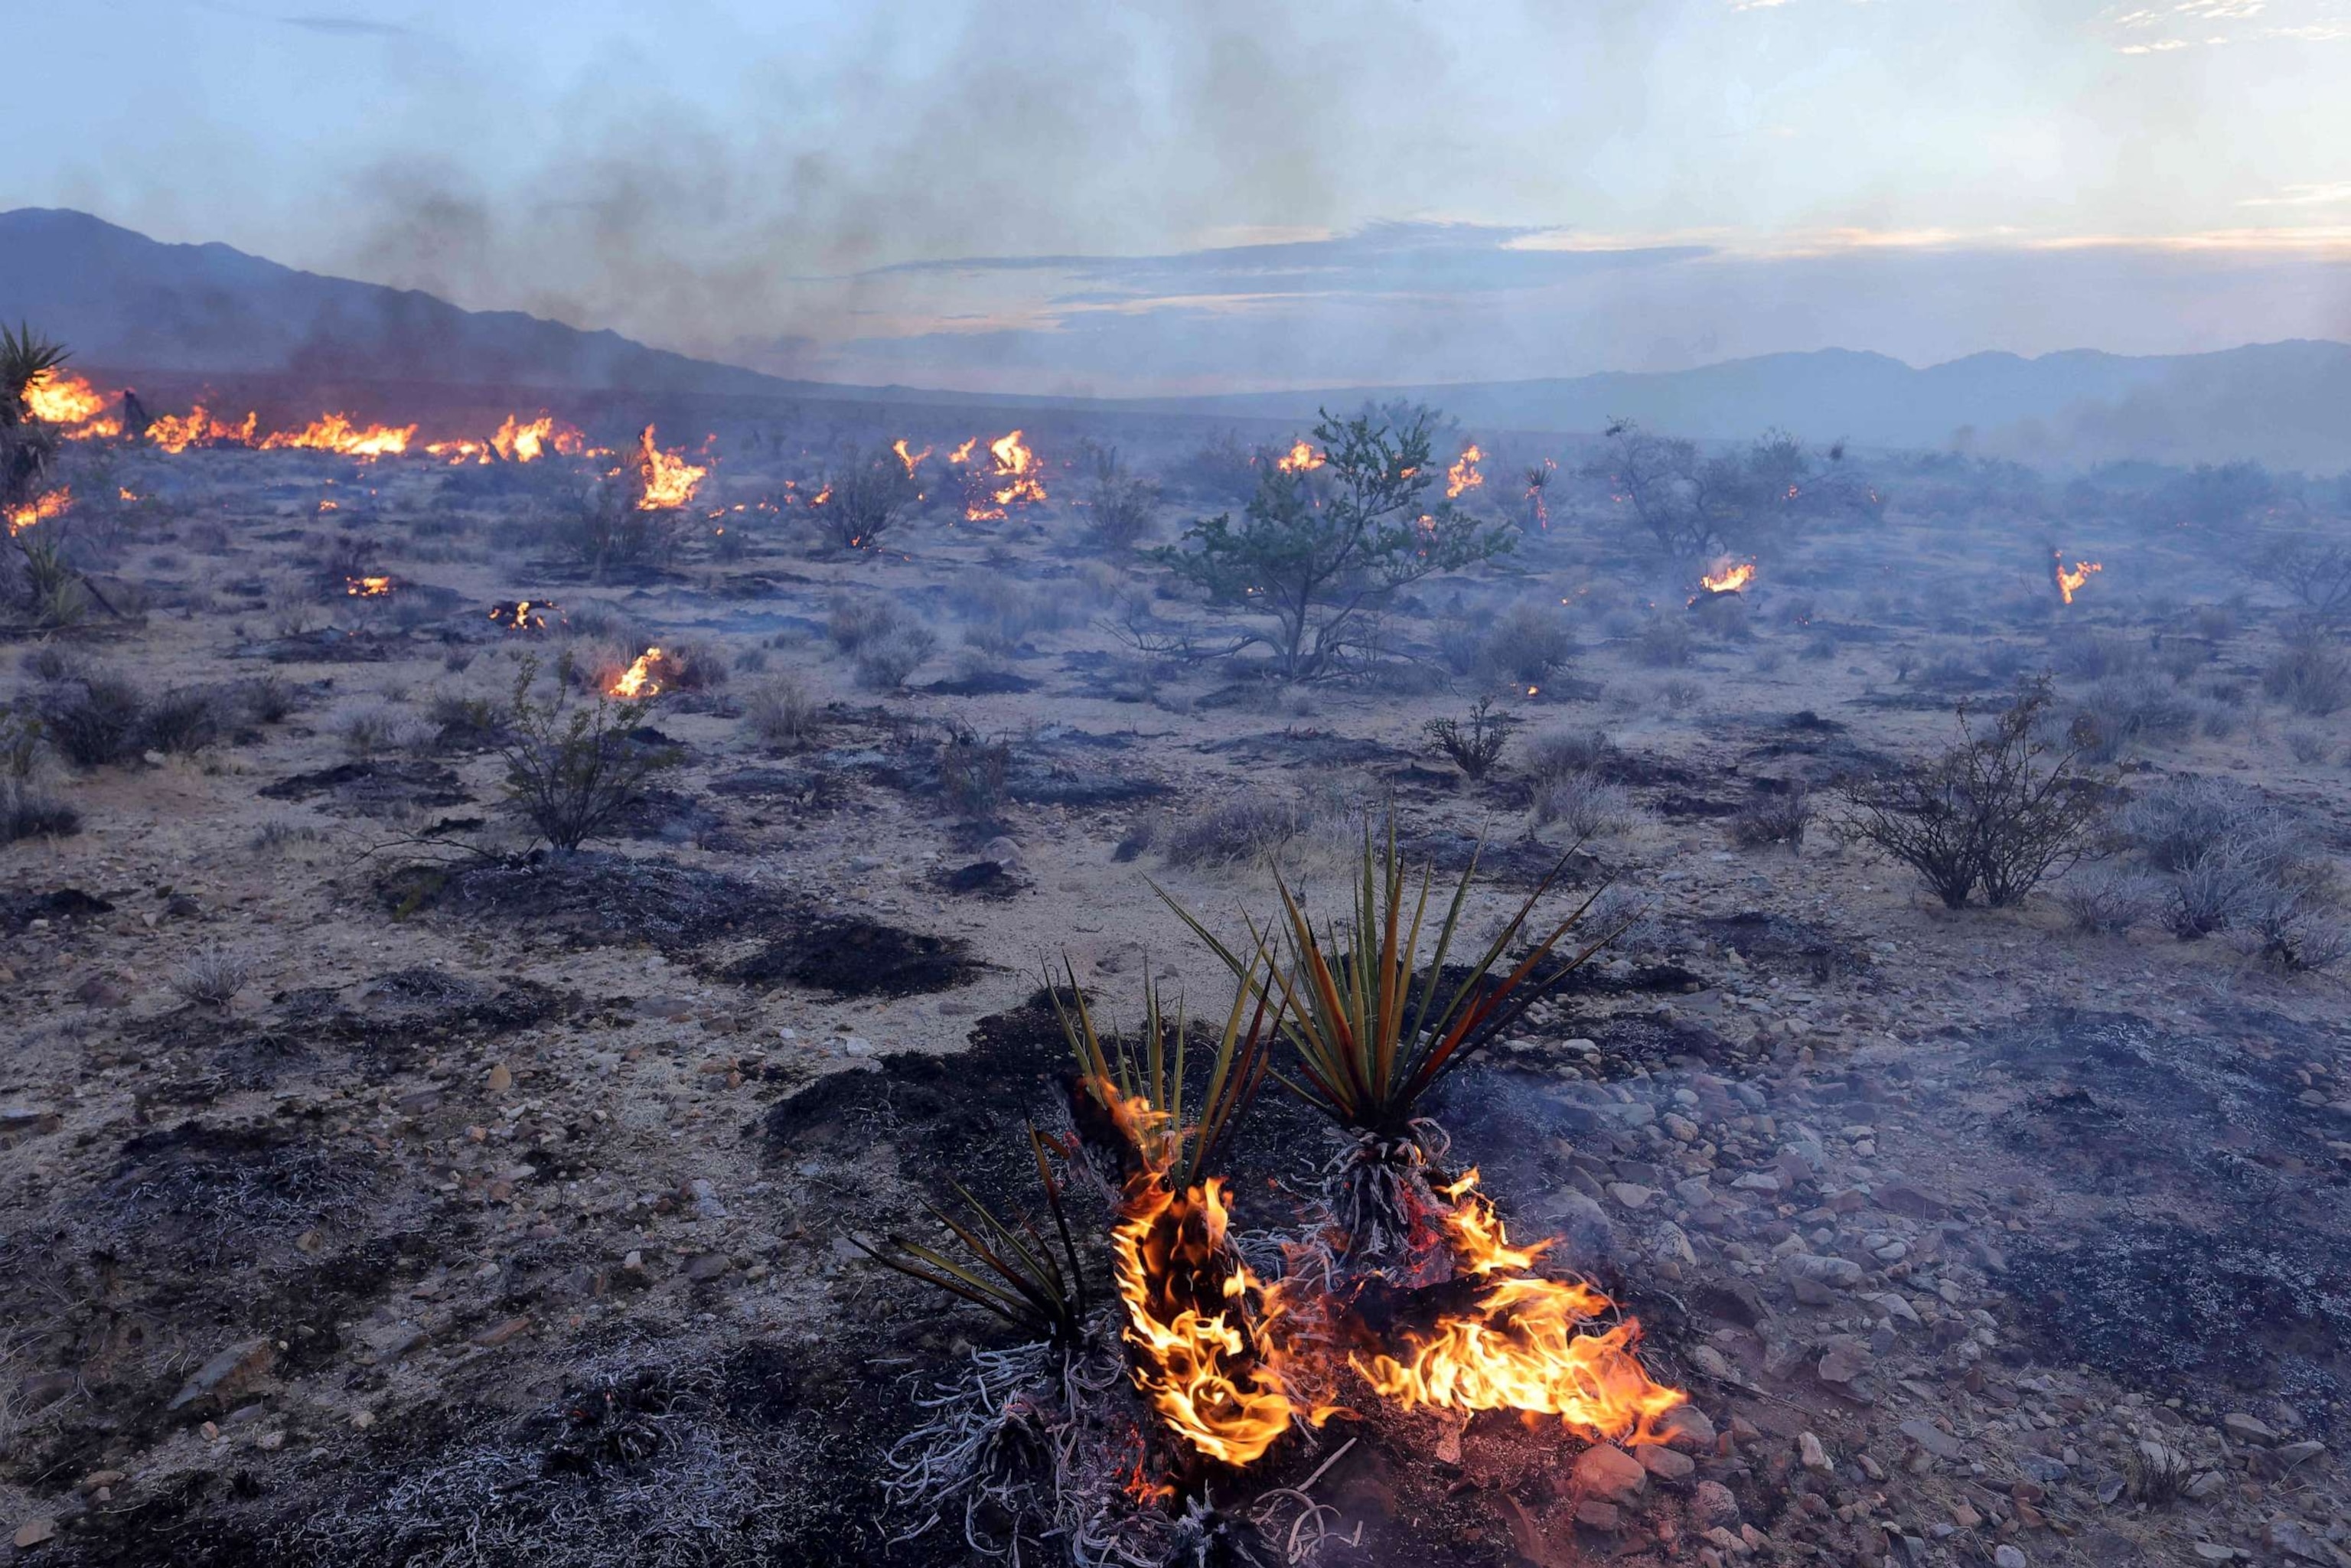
{"points": [[1191, 196]]}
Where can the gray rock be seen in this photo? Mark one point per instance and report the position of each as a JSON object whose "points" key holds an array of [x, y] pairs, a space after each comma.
{"points": [[2007, 1556], [1932, 1438], [2248, 1428], [232, 1368], [1713, 1507], [1838, 1273]]}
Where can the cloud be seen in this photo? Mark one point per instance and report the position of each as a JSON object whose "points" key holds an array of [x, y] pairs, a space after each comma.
{"points": [[349, 27], [2303, 196]]}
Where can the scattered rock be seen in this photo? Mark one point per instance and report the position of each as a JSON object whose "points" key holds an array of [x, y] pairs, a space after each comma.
{"points": [[1713, 1507], [1932, 1438], [1665, 1463], [2248, 1428], [1609, 1473], [229, 1370], [1812, 1456], [33, 1532], [2007, 1556]]}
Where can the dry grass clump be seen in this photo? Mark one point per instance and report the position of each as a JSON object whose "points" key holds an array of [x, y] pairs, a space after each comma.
{"points": [[1247, 825], [973, 772], [853, 622], [1777, 819], [373, 727], [1001, 612], [885, 664], [1665, 642], [1585, 805], [782, 714], [1528, 644], [213, 977], [2108, 901], [2311, 675], [1555, 753]]}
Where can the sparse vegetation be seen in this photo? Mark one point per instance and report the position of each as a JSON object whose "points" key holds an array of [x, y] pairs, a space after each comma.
{"points": [[1473, 743], [865, 492], [782, 714], [1780, 818], [213, 977], [573, 767]]}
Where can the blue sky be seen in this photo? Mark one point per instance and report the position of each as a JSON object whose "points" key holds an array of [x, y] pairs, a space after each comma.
{"points": [[1196, 195]]}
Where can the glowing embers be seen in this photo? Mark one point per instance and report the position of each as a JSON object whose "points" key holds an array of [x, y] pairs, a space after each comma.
{"points": [[2070, 579], [1464, 476], [39, 509], [640, 679], [368, 587], [1530, 1343], [525, 614], [666, 480], [1727, 577]]}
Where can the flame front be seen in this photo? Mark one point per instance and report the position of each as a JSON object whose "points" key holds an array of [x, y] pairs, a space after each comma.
{"points": [[528, 443], [1464, 476], [1529, 1345], [39, 509], [638, 680], [60, 397], [1300, 459], [1728, 579], [963, 454], [670, 481], [176, 432], [2070, 579], [1196, 1320], [336, 433]]}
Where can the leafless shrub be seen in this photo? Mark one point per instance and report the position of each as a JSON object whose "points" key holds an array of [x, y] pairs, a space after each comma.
{"points": [[1584, 805], [1665, 642], [1473, 745], [2305, 748], [211, 978], [865, 492], [2119, 715], [2109, 901], [1527, 645], [690, 666], [2097, 655], [2180, 821], [782, 713], [1777, 819], [1001, 612], [369, 729], [95, 719], [973, 772], [1681, 695], [851, 623], [885, 663], [2000, 811], [1120, 509]]}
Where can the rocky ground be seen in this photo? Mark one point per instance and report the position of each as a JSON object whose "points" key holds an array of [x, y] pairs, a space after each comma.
{"points": [[498, 1213]]}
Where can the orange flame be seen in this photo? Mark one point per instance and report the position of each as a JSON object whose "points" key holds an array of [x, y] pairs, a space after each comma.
{"points": [[367, 587], [1464, 476], [911, 459], [1301, 459], [1017, 478], [176, 432], [669, 480], [336, 433], [523, 615], [528, 443], [39, 509], [61, 397], [1195, 1320], [638, 680], [2070, 580], [1529, 1345], [1727, 578], [963, 454]]}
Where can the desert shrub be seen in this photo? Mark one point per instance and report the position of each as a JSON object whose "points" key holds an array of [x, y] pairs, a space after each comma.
{"points": [[2109, 901], [93, 720], [1122, 510], [1681, 695], [782, 713], [280, 833], [851, 623], [2296, 928], [28, 811], [2305, 748], [1527, 645], [573, 768], [187, 718], [1473, 745], [1777, 819], [53, 661], [211, 978], [2179, 822], [2124, 712], [1584, 805], [603, 529], [368, 730], [883, 665], [459, 723], [2000, 811], [267, 699], [973, 772], [1555, 753], [691, 666], [1001, 612], [2310, 673], [1225, 467], [2214, 623], [1244, 826], [2097, 655], [865, 492], [1665, 642]]}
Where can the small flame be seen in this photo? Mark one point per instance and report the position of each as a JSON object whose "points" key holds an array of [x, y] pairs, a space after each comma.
{"points": [[523, 615], [518, 443], [1300, 459], [2070, 579], [669, 480], [1726, 578], [41, 509], [1463, 475], [176, 432], [123, 491], [367, 587], [638, 680], [963, 454], [913, 460], [1529, 1345]]}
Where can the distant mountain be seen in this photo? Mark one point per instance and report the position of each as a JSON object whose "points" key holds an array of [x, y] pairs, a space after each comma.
{"points": [[2284, 403], [123, 301]]}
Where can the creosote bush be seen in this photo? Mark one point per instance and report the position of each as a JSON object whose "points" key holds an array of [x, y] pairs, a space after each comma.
{"points": [[782, 714], [1473, 743], [1998, 812], [885, 663], [573, 767], [1779, 819], [1584, 805]]}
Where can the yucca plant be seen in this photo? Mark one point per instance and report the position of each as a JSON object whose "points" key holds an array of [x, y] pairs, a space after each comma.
{"points": [[1011, 1269], [1374, 1025], [1138, 1083], [27, 445]]}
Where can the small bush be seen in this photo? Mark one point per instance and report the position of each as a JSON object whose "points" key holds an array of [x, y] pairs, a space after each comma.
{"points": [[865, 492], [95, 720], [885, 664], [1121, 511], [1528, 644], [1665, 644], [2305, 748], [2176, 825], [573, 769], [782, 714], [999, 613], [604, 530], [2310, 675], [851, 623], [973, 772], [269, 699], [29, 812], [1779, 819], [2109, 902], [1555, 753], [211, 978], [1476, 744], [2296, 929], [1246, 826], [692, 667], [1584, 805], [2124, 713], [370, 728]]}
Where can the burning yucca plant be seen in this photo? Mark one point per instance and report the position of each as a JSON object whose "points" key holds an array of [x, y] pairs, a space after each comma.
{"points": [[1373, 1026]]}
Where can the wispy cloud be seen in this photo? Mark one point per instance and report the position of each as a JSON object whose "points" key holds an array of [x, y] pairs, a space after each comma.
{"points": [[349, 27], [2325, 195], [2208, 23]]}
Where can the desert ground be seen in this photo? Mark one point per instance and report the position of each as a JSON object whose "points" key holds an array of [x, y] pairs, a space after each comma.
{"points": [[381, 1186]]}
